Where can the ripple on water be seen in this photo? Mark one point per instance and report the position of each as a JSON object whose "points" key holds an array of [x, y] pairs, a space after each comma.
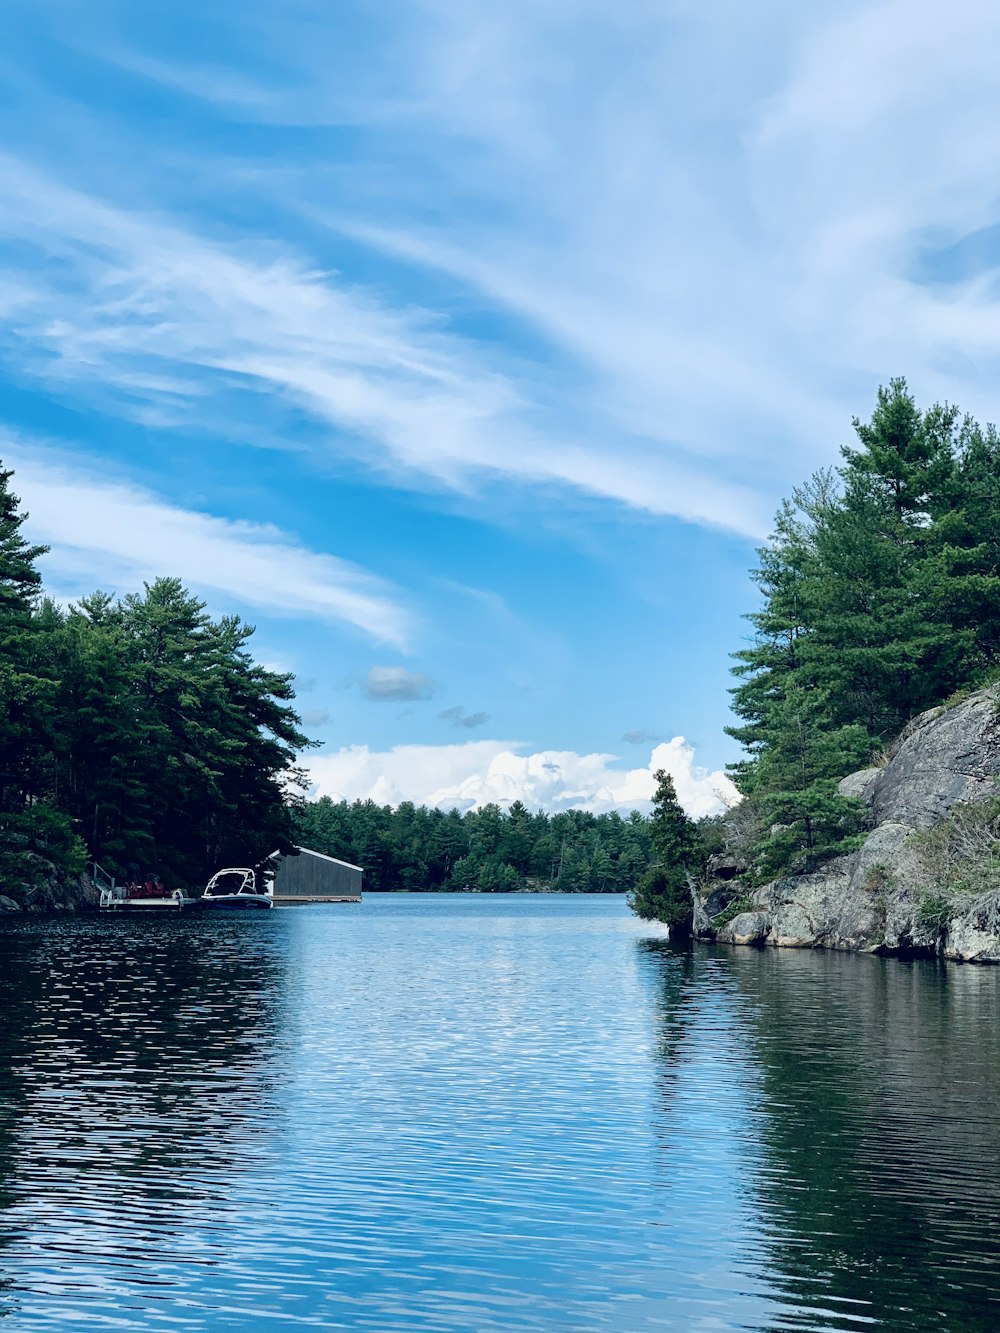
{"points": [[455, 1113]]}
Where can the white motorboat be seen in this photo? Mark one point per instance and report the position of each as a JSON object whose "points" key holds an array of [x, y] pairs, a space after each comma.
{"points": [[237, 889]]}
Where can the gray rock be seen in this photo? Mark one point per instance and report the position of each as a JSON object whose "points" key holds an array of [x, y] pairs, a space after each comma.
{"points": [[39, 886], [701, 923], [858, 785], [86, 892], [726, 867], [966, 943], [943, 756], [747, 928], [870, 899]]}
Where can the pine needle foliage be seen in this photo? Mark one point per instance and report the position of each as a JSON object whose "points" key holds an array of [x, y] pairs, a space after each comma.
{"points": [[137, 732], [880, 597], [665, 891]]}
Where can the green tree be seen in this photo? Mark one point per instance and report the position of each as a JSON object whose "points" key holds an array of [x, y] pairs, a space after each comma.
{"points": [[909, 455], [31, 826], [23, 689], [797, 798], [664, 892], [880, 596]]}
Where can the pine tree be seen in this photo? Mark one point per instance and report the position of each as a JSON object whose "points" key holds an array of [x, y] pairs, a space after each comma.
{"points": [[908, 455], [796, 794], [664, 892], [881, 597], [31, 826], [22, 689]]}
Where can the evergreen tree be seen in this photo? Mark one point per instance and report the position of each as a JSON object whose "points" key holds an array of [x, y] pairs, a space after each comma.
{"points": [[490, 850], [22, 688], [880, 597], [797, 786], [30, 825], [139, 731], [909, 456], [664, 892]]}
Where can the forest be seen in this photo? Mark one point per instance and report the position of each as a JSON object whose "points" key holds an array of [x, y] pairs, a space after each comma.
{"points": [[490, 850], [880, 598], [135, 731]]}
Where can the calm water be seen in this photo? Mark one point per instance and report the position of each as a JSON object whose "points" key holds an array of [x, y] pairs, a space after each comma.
{"points": [[479, 1113]]}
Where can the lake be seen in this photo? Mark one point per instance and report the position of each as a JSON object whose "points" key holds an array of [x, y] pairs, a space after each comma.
{"points": [[466, 1112]]}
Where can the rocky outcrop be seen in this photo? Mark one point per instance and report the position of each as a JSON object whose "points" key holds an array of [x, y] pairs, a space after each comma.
{"points": [[878, 898], [39, 886], [943, 757]]}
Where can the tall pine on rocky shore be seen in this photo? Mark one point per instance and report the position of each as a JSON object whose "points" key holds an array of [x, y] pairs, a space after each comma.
{"points": [[880, 598]]}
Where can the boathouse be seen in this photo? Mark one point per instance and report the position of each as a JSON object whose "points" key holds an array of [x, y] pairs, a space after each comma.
{"points": [[311, 877]]}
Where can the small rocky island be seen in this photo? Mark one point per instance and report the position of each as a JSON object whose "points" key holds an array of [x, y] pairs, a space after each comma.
{"points": [[926, 879]]}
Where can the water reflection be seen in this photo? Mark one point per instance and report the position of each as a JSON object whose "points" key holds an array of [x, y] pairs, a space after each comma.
{"points": [[443, 1114], [867, 1148], [137, 1078]]}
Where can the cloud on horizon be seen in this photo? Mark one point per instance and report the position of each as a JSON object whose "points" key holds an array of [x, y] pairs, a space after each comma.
{"points": [[471, 774]]}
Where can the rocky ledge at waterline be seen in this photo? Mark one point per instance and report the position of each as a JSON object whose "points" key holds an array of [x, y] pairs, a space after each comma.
{"points": [[926, 879], [36, 885]]}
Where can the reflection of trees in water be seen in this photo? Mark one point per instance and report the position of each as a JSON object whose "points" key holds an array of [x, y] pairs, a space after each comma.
{"points": [[137, 1068], [700, 1011], [875, 1161], [676, 1010], [707, 1088]]}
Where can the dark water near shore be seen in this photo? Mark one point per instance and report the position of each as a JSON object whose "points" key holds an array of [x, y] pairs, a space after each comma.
{"points": [[479, 1113]]}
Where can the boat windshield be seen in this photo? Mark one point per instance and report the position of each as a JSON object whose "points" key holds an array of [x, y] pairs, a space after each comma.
{"points": [[231, 881]]}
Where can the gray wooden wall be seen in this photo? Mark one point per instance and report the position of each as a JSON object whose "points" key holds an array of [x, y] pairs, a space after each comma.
{"points": [[306, 876]]}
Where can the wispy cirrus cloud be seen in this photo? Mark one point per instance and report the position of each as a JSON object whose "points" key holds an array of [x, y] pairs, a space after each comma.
{"points": [[172, 327], [117, 534], [516, 257], [703, 270], [726, 235]]}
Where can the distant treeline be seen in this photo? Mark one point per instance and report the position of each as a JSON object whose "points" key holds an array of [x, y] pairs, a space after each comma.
{"points": [[136, 731], [490, 850]]}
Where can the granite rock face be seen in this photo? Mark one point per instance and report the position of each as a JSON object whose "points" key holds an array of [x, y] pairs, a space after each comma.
{"points": [[39, 886], [943, 756], [874, 899]]}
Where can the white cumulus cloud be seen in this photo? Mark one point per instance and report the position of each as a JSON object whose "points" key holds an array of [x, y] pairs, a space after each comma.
{"points": [[476, 773]]}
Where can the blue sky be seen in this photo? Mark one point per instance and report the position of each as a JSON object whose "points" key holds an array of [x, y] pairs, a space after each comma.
{"points": [[467, 350]]}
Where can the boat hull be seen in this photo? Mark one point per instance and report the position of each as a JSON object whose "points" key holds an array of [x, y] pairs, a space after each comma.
{"points": [[237, 902]]}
